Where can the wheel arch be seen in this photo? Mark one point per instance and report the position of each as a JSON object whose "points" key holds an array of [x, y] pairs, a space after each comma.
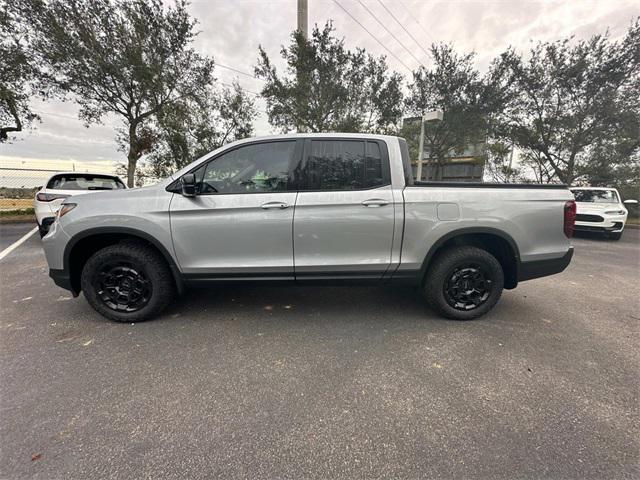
{"points": [[84, 244], [497, 242]]}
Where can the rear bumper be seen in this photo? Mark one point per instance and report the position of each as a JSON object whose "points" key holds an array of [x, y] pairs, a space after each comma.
{"points": [[45, 224], [543, 268]]}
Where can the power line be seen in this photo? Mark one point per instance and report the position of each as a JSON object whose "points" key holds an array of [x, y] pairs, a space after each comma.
{"points": [[403, 27], [389, 32], [248, 91], [239, 71], [417, 22], [372, 35]]}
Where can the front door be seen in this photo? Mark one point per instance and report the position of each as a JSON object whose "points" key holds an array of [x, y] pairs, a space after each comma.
{"points": [[240, 223], [344, 216]]}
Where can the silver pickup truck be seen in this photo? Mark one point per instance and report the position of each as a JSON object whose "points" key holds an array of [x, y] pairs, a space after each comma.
{"points": [[328, 208]]}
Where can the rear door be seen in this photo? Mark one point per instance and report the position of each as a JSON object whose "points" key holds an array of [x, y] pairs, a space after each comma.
{"points": [[344, 216], [239, 224]]}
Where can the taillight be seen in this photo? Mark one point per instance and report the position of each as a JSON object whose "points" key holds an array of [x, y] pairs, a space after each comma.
{"points": [[569, 218], [48, 197]]}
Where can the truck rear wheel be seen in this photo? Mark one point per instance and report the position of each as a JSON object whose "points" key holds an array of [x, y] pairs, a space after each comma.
{"points": [[464, 283], [127, 282]]}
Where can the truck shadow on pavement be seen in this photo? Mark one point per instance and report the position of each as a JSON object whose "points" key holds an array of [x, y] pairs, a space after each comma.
{"points": [[307, 304]]}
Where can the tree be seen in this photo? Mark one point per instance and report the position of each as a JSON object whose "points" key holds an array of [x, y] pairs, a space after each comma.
{"points": [[454, 86], [499, 166], [129, 58], [18, 74], [329, 88], [569, 97], [191, 129]]}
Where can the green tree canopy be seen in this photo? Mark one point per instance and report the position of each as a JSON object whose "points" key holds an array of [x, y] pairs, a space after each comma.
{"points": [[570, 99], [18, 74], [189, 130], [329, 88], [130, 58]]}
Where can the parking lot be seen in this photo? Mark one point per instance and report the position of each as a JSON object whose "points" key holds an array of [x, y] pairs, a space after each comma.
{"points": [[319, 382]]}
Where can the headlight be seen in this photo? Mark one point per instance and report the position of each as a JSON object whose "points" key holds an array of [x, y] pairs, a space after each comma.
{"points": [[66, 208], [615, 212]]}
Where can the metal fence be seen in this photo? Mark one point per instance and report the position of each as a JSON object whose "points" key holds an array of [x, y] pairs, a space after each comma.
{"points": [[18, 186]]}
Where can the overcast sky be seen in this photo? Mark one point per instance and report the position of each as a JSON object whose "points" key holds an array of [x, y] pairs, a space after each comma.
{"points": [[231, 31]]}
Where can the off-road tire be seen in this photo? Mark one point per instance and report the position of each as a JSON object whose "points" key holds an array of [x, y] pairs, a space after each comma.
{"points": [[145, 258], [445, 266]]}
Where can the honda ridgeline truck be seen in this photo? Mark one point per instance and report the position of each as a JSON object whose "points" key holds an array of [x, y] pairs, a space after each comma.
{"points": [[329, 208]]}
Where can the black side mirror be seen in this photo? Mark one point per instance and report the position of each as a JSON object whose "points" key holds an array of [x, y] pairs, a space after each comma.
{"points": [[188, 184]]}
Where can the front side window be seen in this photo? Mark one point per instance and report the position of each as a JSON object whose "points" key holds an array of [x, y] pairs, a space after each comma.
{"points": [[261, 167], [345, 165], [595, 196]]}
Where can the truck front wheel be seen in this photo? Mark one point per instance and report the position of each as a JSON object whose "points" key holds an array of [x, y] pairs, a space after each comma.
{"points": [[127, 282], [464, 282]]}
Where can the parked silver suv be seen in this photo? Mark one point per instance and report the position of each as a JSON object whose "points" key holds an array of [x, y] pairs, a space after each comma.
{"points": [[308, 208]]}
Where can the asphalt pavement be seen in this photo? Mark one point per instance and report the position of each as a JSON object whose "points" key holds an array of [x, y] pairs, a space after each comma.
{"points": [[12, 232], [324, 382]]}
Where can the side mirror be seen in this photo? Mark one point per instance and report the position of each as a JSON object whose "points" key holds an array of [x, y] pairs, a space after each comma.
{"points": [[630, 202], [188, 184]]}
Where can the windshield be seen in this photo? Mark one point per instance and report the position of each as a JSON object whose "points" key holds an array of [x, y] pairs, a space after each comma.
{"points": [[84, 182], [595, 196]]}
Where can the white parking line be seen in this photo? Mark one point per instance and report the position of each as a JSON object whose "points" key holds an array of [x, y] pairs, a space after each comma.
{"points": [[16, 244]]}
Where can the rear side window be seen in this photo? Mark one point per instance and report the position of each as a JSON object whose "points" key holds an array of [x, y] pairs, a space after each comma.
{"points": [[345, 165], [82, 181]]}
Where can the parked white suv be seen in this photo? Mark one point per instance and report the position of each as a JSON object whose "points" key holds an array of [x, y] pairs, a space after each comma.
{"points": [[600, 210], [64, 185]]}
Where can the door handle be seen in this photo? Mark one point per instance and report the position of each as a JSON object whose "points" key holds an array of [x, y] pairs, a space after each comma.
{"points": [[278, 205], [375, 202]]}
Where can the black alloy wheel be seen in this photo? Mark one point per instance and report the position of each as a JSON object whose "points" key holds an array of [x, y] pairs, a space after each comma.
{"points": [[123, 286], [468, 287]]}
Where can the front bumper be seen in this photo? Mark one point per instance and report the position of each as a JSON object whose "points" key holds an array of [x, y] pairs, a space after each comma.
{"points": [[543, 268], [600, 222], [62, 278]]}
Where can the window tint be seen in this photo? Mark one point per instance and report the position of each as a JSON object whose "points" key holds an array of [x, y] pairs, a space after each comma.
{"points": [[81, 181], [595, 196], [345, 165], [263, 167]]}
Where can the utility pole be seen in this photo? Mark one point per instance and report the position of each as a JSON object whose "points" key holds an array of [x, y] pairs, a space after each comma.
{"points": [[303, 13]]}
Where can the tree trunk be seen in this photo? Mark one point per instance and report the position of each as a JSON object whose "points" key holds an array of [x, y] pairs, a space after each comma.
{"points": [[14, 113], [132, 156]]}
